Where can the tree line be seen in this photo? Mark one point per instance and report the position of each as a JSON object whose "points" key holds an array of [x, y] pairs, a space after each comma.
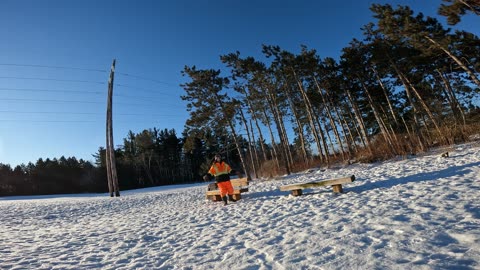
{"points": [[150, 158], [407, 85]]}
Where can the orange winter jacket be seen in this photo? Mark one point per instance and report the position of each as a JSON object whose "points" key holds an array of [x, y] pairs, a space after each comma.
{"points": [[221, 171]]}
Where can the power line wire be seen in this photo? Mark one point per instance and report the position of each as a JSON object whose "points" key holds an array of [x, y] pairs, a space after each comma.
{"points": [[38, 112], [50, 100], [69, 121], [86, 113], [77, 101], [87, 69], [49, 121], [143, 78], [73, 91], [138, 88], [55, 67], [49, 90], [48, 79]]}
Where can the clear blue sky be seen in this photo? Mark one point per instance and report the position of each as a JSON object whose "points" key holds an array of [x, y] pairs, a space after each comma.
{"points": [[50, 112]]}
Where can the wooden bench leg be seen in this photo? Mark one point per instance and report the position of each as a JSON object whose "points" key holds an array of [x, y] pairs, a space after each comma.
{"points": [[237, 197], [296, 192], [337, 188], [216, 198]]}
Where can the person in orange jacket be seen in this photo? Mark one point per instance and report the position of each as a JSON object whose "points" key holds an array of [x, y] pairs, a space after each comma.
{"points": [[221, 171]]}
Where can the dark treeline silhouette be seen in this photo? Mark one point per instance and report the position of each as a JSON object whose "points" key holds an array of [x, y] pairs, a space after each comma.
{"points": [[150, 158], [407, 85], [63, 175]]}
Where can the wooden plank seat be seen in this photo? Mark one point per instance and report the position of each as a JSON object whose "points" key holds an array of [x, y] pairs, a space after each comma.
{"points": [[336, 184], [240, 185]]}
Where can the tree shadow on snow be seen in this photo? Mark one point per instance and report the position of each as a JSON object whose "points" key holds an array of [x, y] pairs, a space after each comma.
{"points": [[416, 178], [389, 183], [276, 193]]}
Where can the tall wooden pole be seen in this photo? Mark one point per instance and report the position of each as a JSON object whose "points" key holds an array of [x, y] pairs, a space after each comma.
{"points": [[112, 179]]}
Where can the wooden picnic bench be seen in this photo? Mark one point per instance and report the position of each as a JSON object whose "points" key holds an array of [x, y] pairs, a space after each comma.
{"points": [[336, 184], [240, 185]]}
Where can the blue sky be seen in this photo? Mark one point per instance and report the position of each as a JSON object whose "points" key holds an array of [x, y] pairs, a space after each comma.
{"points": [[48, 112]]}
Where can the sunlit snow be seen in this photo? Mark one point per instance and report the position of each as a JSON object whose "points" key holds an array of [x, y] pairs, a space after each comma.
{"points": [[417, 213]]}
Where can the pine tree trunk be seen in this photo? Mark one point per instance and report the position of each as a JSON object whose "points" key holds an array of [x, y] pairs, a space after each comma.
{"points": [[255, 151], [235, 138], [309, 111], [284, 146], [261, 138], [386, 95], [341, 120], [274, 153], [332, 120], [349, 110], [286, 143], [425, 107], [358, 116], [250, 150], [279, 124], [260, 134], [454, 58], [412, 103], [376, 114], [454, 100], [299, 129], [350, 133]]}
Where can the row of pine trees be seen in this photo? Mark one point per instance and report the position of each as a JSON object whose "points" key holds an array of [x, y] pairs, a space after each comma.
{"points": [[407, 85]]}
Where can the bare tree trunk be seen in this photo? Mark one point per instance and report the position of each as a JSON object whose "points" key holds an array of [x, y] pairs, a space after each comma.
{"points": [[234, 133], [386, 95], [376, 115], [255, 151], [350, 133], [260, 134], [454, 100], [279, 124], [342, 122], [300, 129], [326, 150], [286, 143], [348, 110], [470, 7], [147, 166], [274, 153], [412, 103], [262, 144], [332, 120], [309, 111], [454, 58], [358, 116], [330, 142], [250, 150], [425, 107]]}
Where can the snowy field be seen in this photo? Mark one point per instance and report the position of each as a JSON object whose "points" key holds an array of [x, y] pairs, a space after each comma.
{"points": [[416, 213]]}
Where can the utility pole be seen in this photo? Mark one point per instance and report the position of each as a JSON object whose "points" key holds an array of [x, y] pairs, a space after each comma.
{"points": [[109, 151]]}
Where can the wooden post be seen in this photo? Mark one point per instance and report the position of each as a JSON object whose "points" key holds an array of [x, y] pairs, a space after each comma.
{"points": [[337, 188], [297, 192], [112, 178]]}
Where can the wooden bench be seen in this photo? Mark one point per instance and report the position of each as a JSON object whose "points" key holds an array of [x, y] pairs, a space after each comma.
{"points": [[240, 185], [336, 184]]}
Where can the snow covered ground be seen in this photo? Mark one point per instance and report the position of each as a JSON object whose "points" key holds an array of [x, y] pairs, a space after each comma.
{"points": [[417, 213]]}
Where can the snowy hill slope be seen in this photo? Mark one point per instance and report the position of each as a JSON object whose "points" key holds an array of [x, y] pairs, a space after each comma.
{"points": [[419, 213]]}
